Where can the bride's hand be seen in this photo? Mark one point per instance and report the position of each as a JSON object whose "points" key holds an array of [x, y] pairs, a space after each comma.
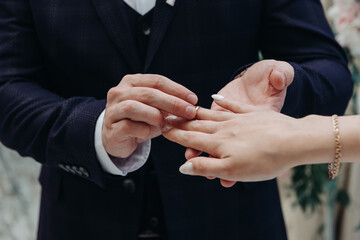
{"points": [[254, 146]]}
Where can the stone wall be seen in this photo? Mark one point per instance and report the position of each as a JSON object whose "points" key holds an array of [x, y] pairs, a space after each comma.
{"points": [[19, 196]]}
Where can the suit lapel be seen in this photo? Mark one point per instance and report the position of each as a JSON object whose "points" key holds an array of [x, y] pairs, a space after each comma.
{"points": [[114, 18], [163, 14]]}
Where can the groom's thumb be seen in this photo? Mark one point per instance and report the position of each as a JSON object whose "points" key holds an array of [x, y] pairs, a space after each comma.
{"points": [[282, 75]]}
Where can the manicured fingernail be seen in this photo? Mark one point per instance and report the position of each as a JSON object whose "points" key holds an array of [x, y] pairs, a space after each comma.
{"points": [[190, 111], [166, 129], [217, 97], [192, 99], [170, 119], [187, 168]]}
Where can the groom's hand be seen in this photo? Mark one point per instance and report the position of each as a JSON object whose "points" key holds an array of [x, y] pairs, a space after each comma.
{"points": [[135, 111], [261, 87]]}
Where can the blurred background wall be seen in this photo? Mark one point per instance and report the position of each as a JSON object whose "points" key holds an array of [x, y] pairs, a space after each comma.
{"points": [[19, 196]]}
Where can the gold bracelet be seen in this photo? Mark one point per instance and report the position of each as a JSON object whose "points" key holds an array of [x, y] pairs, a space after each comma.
{"points": [[335, 166]]}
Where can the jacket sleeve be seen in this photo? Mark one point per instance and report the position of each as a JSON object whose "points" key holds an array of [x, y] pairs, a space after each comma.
{"points": [[34, 121], [296, 31]]}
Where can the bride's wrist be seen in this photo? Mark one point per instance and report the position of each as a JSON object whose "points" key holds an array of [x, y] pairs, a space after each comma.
{"points": [[315, 140]]}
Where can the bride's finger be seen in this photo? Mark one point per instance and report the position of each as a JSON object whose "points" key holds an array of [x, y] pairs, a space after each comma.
{"points": [[208, 167], [233, 106], [202, 142], [213, 115], [192, 153], [192, 125]]}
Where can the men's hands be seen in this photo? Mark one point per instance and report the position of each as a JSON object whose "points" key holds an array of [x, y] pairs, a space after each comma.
{"points": [[262, 87], [136, 109]]}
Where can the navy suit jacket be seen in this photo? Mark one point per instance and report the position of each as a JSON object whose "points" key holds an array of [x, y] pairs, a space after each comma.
{"points": [[58, 59]]}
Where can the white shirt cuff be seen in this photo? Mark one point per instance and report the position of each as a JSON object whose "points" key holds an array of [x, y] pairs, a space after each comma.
{"points": [[119, 166]]}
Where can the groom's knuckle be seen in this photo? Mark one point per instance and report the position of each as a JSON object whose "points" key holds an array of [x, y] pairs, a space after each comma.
{"points": [[146, 95], [127, 107], [173, 105], [113, 93], [158, 119], [125, 126], [158, 81]]}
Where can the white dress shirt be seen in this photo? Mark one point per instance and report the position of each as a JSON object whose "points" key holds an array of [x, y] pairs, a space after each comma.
{"points": [[122, 166], [141, 6], [119, 166]]}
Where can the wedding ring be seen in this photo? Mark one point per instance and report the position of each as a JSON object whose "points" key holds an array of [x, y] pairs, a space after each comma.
{"points": [[196, 111]]}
